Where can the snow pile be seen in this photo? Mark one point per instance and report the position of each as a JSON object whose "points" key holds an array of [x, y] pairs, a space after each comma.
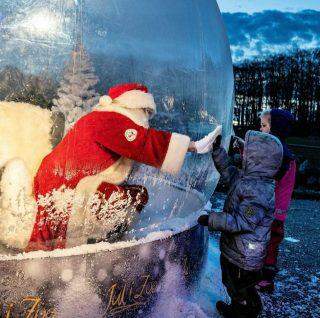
{"points": [[291, 239], [88, 248], [159, 220]]}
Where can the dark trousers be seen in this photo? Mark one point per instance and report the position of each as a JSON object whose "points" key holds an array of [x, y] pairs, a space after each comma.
{"points": [[240, 285]]}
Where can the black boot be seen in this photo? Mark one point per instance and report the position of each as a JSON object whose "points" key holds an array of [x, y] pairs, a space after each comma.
{"points": [[224, 309], [245, 311], [266, 285], [237, 310]]}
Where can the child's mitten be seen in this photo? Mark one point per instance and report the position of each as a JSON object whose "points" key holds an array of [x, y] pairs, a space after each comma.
{"points": [[203, 220], [217, 143], [237, 144]]}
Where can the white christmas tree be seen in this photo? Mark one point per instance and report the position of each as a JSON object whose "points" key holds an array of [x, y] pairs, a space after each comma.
{"points": [[76, 93]]}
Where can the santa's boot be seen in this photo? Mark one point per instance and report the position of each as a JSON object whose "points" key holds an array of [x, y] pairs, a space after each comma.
{"points": [[139, 196]]}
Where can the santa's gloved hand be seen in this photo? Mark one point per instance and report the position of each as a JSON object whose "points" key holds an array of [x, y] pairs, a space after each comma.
{"points": [[237, 144], [203, 220], [204, 145]]}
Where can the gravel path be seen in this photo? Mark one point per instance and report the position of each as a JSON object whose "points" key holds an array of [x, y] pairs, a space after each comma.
{"points": [[297, 291]]}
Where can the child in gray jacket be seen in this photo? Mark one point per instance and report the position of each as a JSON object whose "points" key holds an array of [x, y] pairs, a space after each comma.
{"points": [[246, 219]]}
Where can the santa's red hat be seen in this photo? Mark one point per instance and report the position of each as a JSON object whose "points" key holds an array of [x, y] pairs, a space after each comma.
{"points": [[129, 95]]}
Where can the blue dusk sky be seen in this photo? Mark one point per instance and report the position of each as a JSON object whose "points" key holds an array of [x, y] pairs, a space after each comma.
{"points": [[261, 27]]}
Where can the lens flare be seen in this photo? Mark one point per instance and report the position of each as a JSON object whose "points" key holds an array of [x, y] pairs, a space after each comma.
{"points": [[42, 23]]}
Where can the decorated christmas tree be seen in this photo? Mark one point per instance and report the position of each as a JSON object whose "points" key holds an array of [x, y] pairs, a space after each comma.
{"points": [[76, 94]]}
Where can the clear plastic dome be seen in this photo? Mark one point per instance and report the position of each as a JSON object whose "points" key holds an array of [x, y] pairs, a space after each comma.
{"points": [[57, 57], [178, 49]]}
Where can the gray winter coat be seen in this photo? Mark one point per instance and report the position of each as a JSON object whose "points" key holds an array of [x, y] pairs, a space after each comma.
{"points": [[248, 211]]}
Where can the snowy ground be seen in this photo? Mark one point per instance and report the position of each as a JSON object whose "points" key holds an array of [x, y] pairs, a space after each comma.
{"points": [[297, 292]]}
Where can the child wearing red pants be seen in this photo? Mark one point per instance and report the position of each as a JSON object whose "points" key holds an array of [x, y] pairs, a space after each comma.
{"points": [[278, 122]]}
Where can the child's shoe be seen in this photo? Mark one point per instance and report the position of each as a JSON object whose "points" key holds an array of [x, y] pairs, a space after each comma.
{"points": [[265, 286], [224, 309], [236, 310]]}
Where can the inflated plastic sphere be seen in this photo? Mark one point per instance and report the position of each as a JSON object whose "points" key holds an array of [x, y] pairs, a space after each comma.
{"points": [[54, 54]]}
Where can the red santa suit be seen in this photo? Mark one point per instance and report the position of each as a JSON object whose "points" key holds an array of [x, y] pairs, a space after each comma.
{"points": [[97, 154]]}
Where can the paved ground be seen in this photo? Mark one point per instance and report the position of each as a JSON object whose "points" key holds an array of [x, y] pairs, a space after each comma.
{"points": [[298, 287]]}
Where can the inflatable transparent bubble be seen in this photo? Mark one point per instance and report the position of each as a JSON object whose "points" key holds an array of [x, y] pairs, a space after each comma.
{"points": [[179, 50]]}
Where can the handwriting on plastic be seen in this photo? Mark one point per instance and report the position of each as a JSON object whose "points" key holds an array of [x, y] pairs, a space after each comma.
{"points": [[128, 296], [29, 307]]}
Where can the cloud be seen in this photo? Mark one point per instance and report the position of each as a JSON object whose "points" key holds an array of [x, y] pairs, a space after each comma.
{"points": [[267, 32]]}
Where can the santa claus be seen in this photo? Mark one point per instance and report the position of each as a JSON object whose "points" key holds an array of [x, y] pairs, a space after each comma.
{"points": [[81, 185]]}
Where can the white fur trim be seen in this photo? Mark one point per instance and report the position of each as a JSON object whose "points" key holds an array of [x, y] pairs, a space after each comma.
{"points": [[138, 116], [137, 99], [176, 153], [105, 100]]}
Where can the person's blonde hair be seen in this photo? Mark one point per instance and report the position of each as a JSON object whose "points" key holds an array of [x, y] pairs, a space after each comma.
{"points": [[266, 113]]}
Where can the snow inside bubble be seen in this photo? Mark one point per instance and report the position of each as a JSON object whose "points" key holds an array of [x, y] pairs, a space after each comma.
{"points": [[67, 275]]}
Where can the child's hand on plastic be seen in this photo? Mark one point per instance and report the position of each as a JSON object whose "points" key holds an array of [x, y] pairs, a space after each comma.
{"points": [[237, 144], [203, 220], [217, 143], [204, 145]]}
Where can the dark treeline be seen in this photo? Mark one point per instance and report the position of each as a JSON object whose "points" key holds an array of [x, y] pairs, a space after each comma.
{"points": [[290, 82]]}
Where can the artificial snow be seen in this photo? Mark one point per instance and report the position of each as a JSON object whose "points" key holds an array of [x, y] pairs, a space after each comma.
{"points": [[17, 206], [177, 226], [79, 299], [88, 248], [174, 299], [67, 275]]}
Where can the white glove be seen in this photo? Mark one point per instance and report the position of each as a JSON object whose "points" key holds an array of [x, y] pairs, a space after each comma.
{"points": [[204, 145]]}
